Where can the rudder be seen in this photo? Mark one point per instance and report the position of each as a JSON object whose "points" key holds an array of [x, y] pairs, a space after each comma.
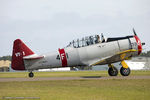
{"points": [[20, 50]]}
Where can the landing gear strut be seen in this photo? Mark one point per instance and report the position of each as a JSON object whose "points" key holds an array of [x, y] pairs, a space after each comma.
{"points": [[112, 71], [31, 74]]}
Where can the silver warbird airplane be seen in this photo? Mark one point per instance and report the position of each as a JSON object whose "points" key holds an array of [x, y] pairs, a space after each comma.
{"points": [[88, 51]]}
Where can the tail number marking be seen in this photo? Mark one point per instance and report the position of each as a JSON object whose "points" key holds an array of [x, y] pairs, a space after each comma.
{"points": [[18, 54]]}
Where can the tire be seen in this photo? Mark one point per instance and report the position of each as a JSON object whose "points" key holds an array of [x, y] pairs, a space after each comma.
{"points": [[113, 71], [125, 71], [31, 74]]}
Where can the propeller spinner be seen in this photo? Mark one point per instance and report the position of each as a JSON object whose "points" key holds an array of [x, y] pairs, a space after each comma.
{"points": [[138, 42]]}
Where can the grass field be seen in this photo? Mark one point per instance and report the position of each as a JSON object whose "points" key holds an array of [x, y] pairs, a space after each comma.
{"points": [[66, 74], [111, 89]]}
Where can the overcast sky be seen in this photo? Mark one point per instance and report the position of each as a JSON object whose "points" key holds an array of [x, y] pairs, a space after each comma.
{"points": [[46, 25]]}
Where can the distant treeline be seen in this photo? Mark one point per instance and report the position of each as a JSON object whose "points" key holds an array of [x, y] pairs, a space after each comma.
{"points": [[144, 54], [6, 58]]}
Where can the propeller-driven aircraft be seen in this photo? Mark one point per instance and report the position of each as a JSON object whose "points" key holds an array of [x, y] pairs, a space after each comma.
{"points": [[87, 51]]}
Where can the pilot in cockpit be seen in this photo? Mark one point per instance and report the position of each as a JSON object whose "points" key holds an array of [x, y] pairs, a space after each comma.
{"points": [[97, 39], [104, 39]]}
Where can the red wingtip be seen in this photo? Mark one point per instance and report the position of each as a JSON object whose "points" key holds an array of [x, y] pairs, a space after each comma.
{"points": [[19, 51]]}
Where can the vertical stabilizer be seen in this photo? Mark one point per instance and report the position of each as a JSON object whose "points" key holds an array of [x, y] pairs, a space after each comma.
{"points": [[19, 51]]}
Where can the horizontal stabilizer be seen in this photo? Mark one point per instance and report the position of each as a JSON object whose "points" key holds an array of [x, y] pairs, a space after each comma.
{"points": [[32, 57]]}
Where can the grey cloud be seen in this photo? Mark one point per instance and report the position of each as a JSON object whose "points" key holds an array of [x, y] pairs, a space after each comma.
{"points": [[46, 25]]}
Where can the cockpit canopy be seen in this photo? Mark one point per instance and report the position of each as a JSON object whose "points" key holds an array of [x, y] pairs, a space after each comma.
{"points": [[90, 40], [86, 41]]}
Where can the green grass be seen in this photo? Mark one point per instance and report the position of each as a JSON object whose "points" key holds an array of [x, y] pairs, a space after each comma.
{"points": [[66, 74], [111, 89], [114, 89], [53, 74]]}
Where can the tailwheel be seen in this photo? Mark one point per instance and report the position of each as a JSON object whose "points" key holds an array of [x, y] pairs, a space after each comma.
{"points": [[112, 71], [125, 71], [31, 74]]}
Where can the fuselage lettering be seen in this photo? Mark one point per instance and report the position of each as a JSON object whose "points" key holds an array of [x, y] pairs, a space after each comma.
{"points": [[62, 56]]}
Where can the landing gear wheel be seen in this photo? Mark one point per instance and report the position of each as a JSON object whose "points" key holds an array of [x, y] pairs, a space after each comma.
{"points": [[31, 74], [124, 71], [113, 71]]}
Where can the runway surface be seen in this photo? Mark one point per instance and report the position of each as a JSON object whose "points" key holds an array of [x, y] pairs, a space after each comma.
{"points": [[71, 78]]}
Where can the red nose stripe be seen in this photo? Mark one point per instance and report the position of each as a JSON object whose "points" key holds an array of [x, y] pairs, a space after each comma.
{"points": [[139, 44], [63, 57]]}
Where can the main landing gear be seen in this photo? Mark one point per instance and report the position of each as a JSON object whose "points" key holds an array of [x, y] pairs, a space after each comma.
{"points": [[124, 70], [112, 71], [31, 74]]}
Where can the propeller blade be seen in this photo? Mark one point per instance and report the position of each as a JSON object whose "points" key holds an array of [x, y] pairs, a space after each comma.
{"points": [[134, 32]]}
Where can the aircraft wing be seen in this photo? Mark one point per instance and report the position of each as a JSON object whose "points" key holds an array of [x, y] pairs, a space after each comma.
{"points": [[124, 55]]}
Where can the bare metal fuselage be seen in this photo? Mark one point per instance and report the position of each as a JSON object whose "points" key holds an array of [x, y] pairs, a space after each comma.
{"points": [[84, 56]]}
